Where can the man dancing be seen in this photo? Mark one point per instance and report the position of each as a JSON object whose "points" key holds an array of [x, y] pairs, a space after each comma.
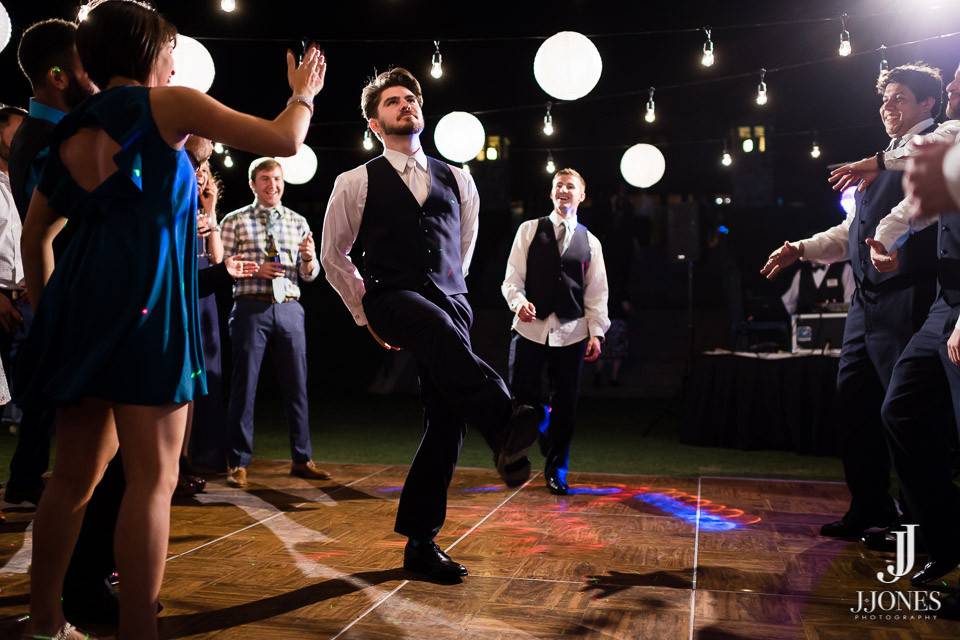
{"points": [[416, 219]]}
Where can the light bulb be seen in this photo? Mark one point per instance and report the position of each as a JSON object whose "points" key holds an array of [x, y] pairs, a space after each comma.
{"points": [[707, 59], [762, 94], [845, 48], [651, 113], [548, 122], [492, 153], [228, 162], [466, 168], [217, 147], [551, 167], [815, 151], [367, 140], [884, 65], [436, 66], [747, 145], [228, 5], [726, 160]]}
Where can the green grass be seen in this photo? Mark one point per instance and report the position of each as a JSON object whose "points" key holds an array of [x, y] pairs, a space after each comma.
{"points": [[610, 438]]}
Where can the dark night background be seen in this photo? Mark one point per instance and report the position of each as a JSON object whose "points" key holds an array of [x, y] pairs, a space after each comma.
{"points": [[781, 194]]}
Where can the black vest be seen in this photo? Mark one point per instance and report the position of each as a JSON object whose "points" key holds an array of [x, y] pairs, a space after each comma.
{"points": [[31, 138], [810, 296], [948, 257], [406, 246], [916, 256], [554, 283]]}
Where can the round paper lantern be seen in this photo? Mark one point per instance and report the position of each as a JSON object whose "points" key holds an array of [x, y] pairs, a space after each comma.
{"points": [[5, 28], [847, 202], [459, 136], [299, 168], [192, 64], [567, 65], [642, 165]]}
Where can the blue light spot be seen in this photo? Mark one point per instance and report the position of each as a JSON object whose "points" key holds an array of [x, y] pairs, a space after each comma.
{"points": [[687, 512], [724, 229], [595, 491]]}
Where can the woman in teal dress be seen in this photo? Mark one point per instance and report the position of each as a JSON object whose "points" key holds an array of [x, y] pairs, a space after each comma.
{"points": [[116, 345]]}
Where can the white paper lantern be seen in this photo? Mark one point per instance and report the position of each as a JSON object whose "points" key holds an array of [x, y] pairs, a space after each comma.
{"points": [[192, 64], [642, 165], [847, 201], [459, 136], [5, 28], [301, 167], [567, 65]]}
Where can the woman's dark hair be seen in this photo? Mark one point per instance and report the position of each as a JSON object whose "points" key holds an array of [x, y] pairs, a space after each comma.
{"points": [[122, 38]]}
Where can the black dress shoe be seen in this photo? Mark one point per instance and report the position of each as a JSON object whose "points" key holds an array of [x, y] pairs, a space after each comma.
{"points": [[853, 527], [557, 486], [934, 569], [886, 541], [521, 432], [430, 560]]}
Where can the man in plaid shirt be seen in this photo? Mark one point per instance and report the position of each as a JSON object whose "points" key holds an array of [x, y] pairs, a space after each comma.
{"points": [[266, 309]]}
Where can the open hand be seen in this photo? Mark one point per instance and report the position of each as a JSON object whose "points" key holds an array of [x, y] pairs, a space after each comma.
{"points": [[882, 261], [306, 79], [863, 171], [269, 271], [780, 259], [238, 268]]}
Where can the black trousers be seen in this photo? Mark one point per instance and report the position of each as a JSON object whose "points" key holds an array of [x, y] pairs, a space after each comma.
{"points": [[563, 366], [879, 326], [456, 387], [925, 387]]}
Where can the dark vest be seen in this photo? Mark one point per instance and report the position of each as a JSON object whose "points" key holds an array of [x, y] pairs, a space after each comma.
{"points": [[554, 283], [406, 246], [948, 257], [810, 296], [31, 138], [916, 256]]}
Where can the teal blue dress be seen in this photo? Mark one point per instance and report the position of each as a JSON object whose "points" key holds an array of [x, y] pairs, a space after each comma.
{"points": [[119, 318]]}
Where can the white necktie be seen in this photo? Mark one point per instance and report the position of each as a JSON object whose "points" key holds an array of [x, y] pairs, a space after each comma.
{"points": [[416, 181]]}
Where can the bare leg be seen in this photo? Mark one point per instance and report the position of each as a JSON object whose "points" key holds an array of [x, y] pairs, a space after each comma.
{"points": [[185, 449], [151, 439], [86, 441]]}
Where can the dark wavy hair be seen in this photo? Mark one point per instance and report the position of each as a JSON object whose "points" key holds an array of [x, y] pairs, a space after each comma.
{"points": [[922, 79], [395, 77], [122, 38]]}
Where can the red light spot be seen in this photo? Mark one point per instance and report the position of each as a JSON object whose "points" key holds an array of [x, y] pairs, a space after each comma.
{"points": [[143, 311]]}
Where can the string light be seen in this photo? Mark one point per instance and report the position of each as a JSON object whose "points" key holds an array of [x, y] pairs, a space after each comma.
{"points": [[548, 121], [747, 145], [651, 113], [815, 149], [466, 168], [726, 159], [762, 89], [367, 140], [436, 68], [707, 60], [551, 167], [884, 65], [845, 48], [228, 6], [228, 160], [218, 147]]}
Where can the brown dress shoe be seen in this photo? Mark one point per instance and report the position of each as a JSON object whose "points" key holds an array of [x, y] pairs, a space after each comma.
{"points": [[309, 470], [237, 477]]}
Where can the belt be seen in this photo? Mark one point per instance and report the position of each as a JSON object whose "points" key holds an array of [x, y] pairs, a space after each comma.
{"points": [[266, 297], [13, 294]]}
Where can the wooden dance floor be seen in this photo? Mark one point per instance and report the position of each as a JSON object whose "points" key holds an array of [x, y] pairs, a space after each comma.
{"points": [[625, 557]]}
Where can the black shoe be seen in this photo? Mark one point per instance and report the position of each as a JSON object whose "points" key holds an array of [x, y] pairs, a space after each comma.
{"points": [[521, 432], [557, 486], [93, 607], [934, 569], [853, 527], [430, 560], [16, 495], [886, 541]]}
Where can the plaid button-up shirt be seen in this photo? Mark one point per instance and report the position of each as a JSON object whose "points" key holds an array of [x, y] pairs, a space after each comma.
{"points": [[247, 232]]}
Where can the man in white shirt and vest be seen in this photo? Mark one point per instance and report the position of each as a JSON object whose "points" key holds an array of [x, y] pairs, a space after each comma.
{"points": [[556, 284], [416, 219]]}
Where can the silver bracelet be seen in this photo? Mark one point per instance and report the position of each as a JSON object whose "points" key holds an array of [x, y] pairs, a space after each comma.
{"points": [[302, 100]]}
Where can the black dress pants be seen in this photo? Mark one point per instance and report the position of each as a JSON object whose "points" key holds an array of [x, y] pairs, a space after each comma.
{"points": [[925, 387], [563, 365], [456, 387]]}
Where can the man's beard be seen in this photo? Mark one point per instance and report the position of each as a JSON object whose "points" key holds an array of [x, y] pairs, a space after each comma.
{"points": [[406, 128]]}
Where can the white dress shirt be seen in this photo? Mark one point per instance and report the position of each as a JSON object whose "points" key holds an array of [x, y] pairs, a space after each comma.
{"points": [[831, 245], [11, 265], [345, 212], [951, 171], [551, 331], [791, 296]]}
